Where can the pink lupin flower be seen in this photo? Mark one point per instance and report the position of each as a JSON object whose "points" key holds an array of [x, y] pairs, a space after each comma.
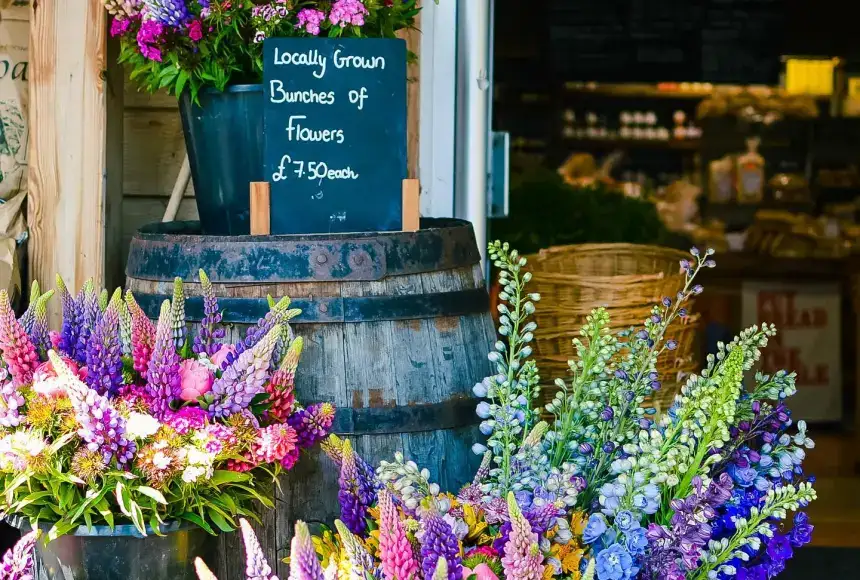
{"points": [[18, 350], [398, 559], [304, 564], [142, 335], [523, 559], [281, 386]]}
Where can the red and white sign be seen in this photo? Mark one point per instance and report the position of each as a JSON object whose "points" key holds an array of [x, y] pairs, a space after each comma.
{"points": [[808, 341]]}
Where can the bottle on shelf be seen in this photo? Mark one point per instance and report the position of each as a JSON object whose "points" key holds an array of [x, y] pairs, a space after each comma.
{"points": [[750, 173]]}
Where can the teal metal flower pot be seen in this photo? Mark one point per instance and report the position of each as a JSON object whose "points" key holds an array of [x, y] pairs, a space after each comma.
{"points": [[99, 553], [224, 140]]}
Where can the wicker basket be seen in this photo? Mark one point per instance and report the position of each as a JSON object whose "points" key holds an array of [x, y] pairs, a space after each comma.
{"points": [[627, 280]]}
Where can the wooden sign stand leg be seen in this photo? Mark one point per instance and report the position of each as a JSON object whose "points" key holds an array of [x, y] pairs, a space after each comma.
{"points": [[411, 191], [260, 208]]}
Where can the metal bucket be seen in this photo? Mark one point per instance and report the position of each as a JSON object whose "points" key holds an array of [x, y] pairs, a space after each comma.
{"points": [[224, 140], [99, 553]]}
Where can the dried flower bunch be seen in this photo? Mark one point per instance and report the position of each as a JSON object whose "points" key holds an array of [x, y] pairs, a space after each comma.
{"points": [[116, 419], [192, 44], [607, 490]]}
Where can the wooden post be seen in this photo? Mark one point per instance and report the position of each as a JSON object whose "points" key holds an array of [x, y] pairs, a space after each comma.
{"points": [[260, 208], [413, 100], [411, 191], [68, 126]]}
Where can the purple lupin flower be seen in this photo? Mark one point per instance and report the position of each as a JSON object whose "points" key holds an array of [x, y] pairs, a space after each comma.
{"points": [[11, 400], [39, 331], [304, 564], [87, 314], [438, 541], [279, 314], [207, 340], [256, 566], [17, 562], [168, 12], [104, 356], [240, 382], [69, 330], [355, 495], [101, 426], [162, 376]]}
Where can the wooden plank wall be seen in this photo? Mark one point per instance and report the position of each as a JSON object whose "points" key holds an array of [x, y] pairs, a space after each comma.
{"points": [[68, 118], [153, 150]]}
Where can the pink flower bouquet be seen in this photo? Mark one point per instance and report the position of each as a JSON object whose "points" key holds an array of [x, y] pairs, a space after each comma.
{"points": [[191, 44], [115, 419]]}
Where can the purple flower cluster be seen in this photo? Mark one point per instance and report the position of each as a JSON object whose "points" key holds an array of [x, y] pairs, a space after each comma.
{"points": [[346, 12], [438, 541], [356, 493], [167, 12], [310, 19], [11, 400], [17, 562], [690, 529], [163, 382], [104, 356], [207, 339], [245, 378], [101, 426], [149, 39]]}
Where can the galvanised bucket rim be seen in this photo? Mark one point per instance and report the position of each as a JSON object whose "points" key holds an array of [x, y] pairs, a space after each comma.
{"points": [[123, 530]]}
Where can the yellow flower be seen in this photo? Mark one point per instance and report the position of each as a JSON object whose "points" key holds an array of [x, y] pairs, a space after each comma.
{"points": [[475, 520], [372, 543], [577, 523], [570, 562], [327, 547]]}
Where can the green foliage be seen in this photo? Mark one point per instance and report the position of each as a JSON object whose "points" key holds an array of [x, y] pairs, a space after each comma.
{"points": [[230, 50], [52, 494], [545, 211]]}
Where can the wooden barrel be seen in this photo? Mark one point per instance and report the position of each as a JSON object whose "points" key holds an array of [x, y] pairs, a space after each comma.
{"points": [[396, 328]]}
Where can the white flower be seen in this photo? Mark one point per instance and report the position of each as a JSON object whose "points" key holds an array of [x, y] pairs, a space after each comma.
{"points": [[141, 425], [160, 460], [193, 473], [207, 362], [195, 456]]}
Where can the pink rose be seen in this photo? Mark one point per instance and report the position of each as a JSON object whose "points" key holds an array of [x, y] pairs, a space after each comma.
{"points": [[195, 380], [219, 357], [481, 572]]}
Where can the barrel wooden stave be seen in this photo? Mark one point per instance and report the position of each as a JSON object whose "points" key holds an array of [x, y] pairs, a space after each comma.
{"points": [[375, 364]]}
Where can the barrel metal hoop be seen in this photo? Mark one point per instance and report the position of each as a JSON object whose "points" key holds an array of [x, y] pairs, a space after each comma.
{"points": [[452, 414], [326, 310], [161, 252]]}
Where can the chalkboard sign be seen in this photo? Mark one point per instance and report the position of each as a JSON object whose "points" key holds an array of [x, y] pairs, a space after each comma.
{"points": [[335, 133]]}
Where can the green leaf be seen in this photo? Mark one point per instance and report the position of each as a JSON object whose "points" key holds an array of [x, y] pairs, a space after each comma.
{"points": [[156, 525], [123, 498], [222, 476], [152, 493], [195, 519], [219, 520], [60, 529], [137, 518]]}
